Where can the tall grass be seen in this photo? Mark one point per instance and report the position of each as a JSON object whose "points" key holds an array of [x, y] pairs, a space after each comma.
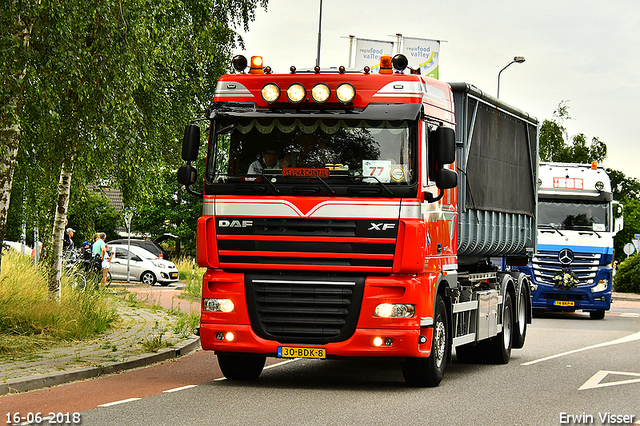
{"points": [[192, 274], [30, 321]]}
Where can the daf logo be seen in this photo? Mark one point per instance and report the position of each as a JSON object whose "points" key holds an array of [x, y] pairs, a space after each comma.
{"points": [[381, 226], [235, 223], [565, 256]]}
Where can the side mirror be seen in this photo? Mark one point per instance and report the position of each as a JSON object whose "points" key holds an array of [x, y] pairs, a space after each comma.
{"points": [[191, 142], [444, 149], [446, 179], [187, 175]]}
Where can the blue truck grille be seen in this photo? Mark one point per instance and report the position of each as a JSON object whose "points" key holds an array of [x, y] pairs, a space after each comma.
{"points": [[584, 265]]}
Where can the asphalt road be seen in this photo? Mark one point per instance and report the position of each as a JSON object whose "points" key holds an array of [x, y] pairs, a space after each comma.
{"points": [[570, 366]]}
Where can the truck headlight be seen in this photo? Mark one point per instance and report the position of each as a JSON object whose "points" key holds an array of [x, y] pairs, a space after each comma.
{"points": [[218, 305], [601, 286], [393, 310]]}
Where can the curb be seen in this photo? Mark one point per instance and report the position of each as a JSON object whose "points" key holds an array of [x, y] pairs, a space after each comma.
{"points": [[30, 383]]}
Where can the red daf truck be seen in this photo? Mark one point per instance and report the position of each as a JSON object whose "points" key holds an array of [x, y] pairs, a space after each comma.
{"points": [[361, 214]]}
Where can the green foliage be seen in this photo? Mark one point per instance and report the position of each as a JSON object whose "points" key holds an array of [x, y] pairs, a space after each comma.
{"points": [[631, 213], [626, 190], [627, 278], [554, 146], [108, 85], [171, 210]]}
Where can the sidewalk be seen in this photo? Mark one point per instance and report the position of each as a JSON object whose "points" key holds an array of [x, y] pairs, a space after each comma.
{"points": [[116, 350], [633, 297]]}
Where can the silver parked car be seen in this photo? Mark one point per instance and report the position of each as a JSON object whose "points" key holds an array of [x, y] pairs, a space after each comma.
{"points": [[144, 266]]}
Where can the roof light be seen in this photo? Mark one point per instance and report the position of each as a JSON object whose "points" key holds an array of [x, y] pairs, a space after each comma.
{"points": [[400, 62], [385, 65], [256, 65], [296, 93], [594, 165], [320, 93], [239, 63], [270, 93], [345, 93]]}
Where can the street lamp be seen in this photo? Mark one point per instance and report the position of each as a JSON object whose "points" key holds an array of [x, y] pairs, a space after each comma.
{"points": [[517, 59]]}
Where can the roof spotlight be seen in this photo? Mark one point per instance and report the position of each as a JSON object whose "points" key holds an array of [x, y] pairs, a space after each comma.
{"points": [[345, 93], [296, 93], [320, 93], [270, 93], [239, 63], [400, 62]]}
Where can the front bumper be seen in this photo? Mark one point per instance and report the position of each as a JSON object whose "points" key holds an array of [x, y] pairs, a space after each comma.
{"points": [[360, 344], [548, 297]]}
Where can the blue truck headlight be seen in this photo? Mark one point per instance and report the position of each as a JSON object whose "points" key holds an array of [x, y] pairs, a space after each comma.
{"points": [[601, 286]]}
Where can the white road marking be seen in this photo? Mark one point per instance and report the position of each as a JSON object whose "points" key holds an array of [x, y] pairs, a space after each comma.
{"points": [[594, 382], [118, 402], [180, 388], [626, 339]]}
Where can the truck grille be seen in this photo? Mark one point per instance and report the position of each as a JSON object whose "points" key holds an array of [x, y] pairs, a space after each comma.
{"points": [[303, 244], [303, 309], [584, 265]]}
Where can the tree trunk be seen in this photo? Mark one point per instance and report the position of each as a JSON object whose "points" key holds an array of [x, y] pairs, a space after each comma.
{"points": [[9, 143], [64, 190]]}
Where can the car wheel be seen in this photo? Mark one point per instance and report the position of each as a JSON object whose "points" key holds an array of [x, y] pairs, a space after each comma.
{"points": [[148, 277]]}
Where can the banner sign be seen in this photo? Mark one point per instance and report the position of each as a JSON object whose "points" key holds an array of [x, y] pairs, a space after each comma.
{"points": [[423, 53], [368, 52]]}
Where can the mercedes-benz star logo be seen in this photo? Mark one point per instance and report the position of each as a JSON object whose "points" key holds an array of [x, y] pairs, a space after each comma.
{"points": [[565, 256]]}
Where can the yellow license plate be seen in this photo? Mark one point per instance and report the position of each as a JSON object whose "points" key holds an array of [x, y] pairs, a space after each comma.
{"points": [[564, 303], [289, 352]]}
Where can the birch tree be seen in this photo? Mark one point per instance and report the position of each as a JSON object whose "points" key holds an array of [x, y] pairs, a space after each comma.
{"points": [[117, 80]]}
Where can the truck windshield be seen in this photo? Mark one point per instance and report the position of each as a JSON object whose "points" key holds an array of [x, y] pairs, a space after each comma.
{"points": [[339, 152], [573, 215]]}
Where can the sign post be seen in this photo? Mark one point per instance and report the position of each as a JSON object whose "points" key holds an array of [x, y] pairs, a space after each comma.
{"points": [[127, 221]]}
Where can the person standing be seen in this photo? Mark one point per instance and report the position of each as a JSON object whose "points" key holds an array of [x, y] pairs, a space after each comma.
{"points": [[106, 260], [98, 245], [67, 242]]}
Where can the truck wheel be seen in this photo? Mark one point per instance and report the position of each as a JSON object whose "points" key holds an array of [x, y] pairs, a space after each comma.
{"points": [[596, 315], [428, 372], [520, 329], [241, 367], [497, 350]]}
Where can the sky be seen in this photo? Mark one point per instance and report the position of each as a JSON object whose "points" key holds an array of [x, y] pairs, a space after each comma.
{"points": [[584, 52]]}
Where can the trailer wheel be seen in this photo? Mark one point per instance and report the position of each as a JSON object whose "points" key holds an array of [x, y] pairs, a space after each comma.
{"points": [[428, 372], [241, 367], [520, 329], [497, 350], [596, 315]]}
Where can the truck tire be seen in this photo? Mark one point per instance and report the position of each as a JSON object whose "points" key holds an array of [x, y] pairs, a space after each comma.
{"points": [[522, 306], [597, 315], [497, 350], [241, 367], [428, 372]]}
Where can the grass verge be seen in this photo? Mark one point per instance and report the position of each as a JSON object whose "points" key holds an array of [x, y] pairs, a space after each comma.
{"points": [[31, 322]]}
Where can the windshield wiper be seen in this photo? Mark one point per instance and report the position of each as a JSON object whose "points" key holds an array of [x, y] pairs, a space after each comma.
{"points": [[552, 227], [331, 190], [271, 184], [385, 187], [586, 229]]}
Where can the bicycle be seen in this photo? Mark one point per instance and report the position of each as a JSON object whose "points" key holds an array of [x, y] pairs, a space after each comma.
{"points": [[83, 271]]}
